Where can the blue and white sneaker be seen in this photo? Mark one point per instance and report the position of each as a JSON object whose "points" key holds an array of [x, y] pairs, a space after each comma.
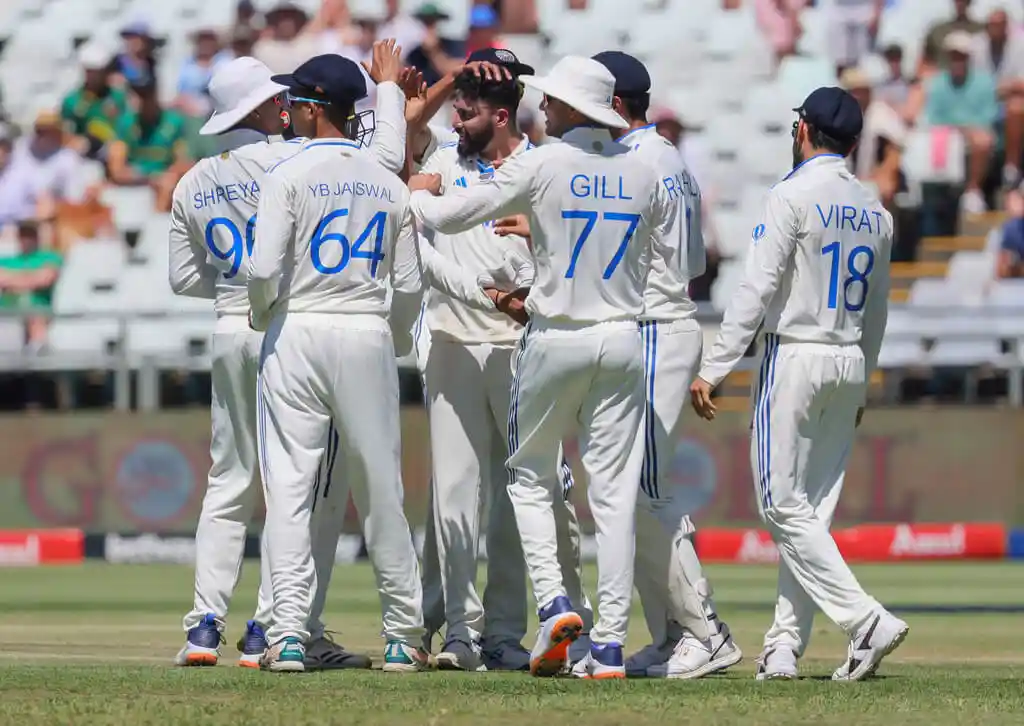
{"points": [[559, 627], [603, 662], [400, 657], [202, 645], [288, 655], [252, 645]]}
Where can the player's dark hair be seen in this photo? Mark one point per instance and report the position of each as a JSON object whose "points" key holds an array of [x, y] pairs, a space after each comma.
{"points": [[821, 140], [504, 94], [636, 106], [340, 117]]}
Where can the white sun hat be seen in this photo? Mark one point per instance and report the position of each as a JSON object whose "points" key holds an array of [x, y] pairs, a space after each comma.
{"points": [[237, 89], [583, 84]]}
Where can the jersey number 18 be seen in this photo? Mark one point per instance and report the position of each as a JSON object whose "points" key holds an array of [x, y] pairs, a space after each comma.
{"points": [[855, 285]]}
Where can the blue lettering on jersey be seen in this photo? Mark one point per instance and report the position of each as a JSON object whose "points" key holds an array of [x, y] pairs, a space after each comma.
{"points": [[680, 185], [248, 191], [351, 189], [845, 217], [598, 187]]}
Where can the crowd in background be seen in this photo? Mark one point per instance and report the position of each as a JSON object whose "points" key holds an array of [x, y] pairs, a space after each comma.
{"points": [[970, 80]]}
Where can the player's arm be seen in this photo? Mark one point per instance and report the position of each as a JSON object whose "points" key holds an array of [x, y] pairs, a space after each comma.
{"points": [[385, 68], [189, 274], [766, 262], [275, 225], [407, 285], [452, 279], [506, 194], [876, 312]]}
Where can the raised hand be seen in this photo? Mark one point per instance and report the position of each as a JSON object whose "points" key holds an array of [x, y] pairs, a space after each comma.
{"points": [[415, 88], [386, 62]]}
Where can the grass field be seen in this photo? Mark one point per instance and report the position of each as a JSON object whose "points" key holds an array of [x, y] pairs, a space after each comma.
{"points": [[92, 645]]}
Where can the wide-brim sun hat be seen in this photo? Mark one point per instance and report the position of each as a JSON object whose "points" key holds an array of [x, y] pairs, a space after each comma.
{"points": [[238, 88], [582, 84]]}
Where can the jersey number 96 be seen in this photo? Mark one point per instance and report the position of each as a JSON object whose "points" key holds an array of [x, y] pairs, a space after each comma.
{"points": [[357, 251], [855, 286], [234, 252]]}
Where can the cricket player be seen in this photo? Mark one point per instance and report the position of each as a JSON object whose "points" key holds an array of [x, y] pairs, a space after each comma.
{"points": [[817, 278], [595, 212], [689, 640], [468, 376], [333, 225], [211, 235]]}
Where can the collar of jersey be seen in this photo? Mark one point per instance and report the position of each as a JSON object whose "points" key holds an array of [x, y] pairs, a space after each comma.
{"points": [[487, 168], [238, 138], [629, 134], [813, 159], [587, 132], [331, 142]]}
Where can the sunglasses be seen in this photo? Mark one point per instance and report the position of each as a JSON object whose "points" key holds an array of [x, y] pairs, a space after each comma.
{"points": [[290, 100]]}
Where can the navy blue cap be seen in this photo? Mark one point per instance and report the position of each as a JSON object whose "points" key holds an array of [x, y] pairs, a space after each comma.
{"points": [[631, 76], [501, 57], [834, 112], [329, 76]]}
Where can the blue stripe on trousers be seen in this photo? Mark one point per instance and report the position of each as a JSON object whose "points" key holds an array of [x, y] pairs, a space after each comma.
{"points": [[567, 480], [649, 473], [762, 418], [513, 409], [332, 441]]}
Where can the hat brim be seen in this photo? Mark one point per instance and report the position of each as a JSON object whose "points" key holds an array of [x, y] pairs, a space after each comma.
{"points": [[432, 16], [222, 121], [603, 115]]}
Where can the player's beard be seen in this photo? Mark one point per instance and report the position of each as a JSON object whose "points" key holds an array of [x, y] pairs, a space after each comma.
{"points": [[471, 145], [798, 153]]}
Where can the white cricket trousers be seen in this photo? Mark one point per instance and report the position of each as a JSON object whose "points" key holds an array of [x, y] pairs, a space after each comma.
{"points": [[669, 577], [587, 380], [805, 404], [468, 393], [315, 369], [229, 499]]}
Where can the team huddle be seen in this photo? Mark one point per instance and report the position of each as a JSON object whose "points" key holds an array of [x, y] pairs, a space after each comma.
{"points": [[544, 292]]}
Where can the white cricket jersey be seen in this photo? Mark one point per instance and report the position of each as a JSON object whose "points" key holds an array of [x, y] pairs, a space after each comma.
{"points": [[476, 250], [333, 226], [214, 206], [213, 219], [668, 285], [594, 211], [817, 271]]}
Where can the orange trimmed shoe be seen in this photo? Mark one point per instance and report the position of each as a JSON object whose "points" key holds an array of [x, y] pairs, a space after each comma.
{"points": [[559, 627], [252, 645], [202, 646], [603, 662]]}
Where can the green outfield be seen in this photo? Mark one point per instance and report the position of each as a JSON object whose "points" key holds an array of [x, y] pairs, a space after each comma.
{"points": [[92, 644]]}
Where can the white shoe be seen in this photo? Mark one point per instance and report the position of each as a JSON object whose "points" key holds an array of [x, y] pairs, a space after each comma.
{"points": [[603, 662], [287, 655], [559, 627], [458, 655], [881, 636], [650, 656], [972, 202], [694, 658], [776, 662], [400, 657]]}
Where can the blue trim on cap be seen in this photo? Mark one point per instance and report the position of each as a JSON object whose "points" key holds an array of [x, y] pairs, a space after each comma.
{"points": [[633, 131]]}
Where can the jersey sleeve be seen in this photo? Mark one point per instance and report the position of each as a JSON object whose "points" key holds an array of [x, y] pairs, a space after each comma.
{"points": [[876, 311], [452, 279], [507, 193], [766, 262], [407, 283], [388, 145], [189, 273], [275, 225]]}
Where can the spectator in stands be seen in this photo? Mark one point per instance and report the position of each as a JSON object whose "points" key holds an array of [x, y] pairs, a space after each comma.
{"points": [[195, 73], [852, 29], [779, 21], [483, 29], [1000, 52], [91, 111], [935, 55], [44, 167], [877, 157], [527, 120], [247, 16], [243, 40], [16, 199], [895, 88], [286, 48], [404, 28], [357, 45], [27, 281], [1010, 262], [136, 63], [965, 98], [151, 147], [435, 56], [517, 16]]}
